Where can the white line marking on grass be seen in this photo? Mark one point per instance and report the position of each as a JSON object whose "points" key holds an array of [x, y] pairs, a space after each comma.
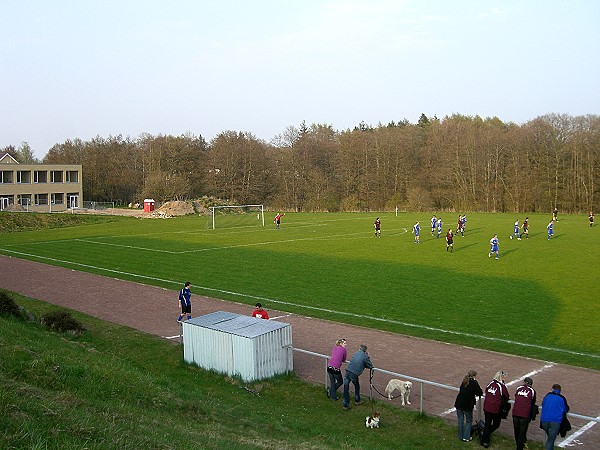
{"points": [[316, 308], [572, 437]]}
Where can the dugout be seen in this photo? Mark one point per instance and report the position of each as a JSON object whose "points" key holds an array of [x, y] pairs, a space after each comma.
{"points": [[238, 345]]}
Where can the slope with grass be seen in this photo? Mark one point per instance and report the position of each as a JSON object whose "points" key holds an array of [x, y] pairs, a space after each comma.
{"points": [[537, 300], [116, 388]]}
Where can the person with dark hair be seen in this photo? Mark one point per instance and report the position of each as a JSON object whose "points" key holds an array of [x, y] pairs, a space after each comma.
{"points": [[259, 312], [554, 410], [591, 219], [377, 226], [185, 301], [525, 228], [450, 240], [555, 214], [334, 368], [495, 394], [359, 361], [525, 398], [464, 404]]}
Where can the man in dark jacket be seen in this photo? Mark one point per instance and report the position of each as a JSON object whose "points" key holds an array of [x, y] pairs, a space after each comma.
{"points": [[524, 401], [360, 360]]}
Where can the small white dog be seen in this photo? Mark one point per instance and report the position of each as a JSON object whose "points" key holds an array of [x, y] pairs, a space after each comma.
{"points": [[403, 386], [372, 421]]}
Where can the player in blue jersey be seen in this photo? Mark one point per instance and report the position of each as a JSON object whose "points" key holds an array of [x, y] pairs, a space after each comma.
{"points": [[416, 231], [439, 227], [494, 247], [433, 224], [464, 224], [550, 228], [185, 301], [516, 230]]}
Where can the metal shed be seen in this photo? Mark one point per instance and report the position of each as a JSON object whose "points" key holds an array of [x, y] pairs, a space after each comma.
{"points": [[240, 345]]}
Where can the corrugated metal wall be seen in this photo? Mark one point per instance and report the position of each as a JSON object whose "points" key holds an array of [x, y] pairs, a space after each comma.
{"points": [[233, 344]]}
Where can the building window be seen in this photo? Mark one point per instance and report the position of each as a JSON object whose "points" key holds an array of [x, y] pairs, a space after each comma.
{"points": [[58, 199], [24, 176], [40, 176], [6, 176], [57, 176], [72, 176], [24, 199], [41, 199]]}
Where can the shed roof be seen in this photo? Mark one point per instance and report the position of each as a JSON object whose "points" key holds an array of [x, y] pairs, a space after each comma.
{"points": [[237, 324]]}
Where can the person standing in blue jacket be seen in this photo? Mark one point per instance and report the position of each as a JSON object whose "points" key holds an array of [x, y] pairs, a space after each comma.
{"points": [[554, 408], [359, 361], [185, 301]]}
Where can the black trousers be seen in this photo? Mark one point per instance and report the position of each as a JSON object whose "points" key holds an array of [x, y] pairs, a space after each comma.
{"points": [[492, 423], [520, 425]]}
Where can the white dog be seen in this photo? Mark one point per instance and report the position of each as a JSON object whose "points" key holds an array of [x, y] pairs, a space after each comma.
{"points": [[372, 421], [403, 386]]}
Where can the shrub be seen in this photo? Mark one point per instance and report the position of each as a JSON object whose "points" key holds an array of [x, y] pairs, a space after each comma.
{"points": [[63, 322], [8, 307]]}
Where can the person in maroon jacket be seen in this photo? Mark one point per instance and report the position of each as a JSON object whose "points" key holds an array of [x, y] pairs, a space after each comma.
{"points": [[524, 400], [492, 405]]}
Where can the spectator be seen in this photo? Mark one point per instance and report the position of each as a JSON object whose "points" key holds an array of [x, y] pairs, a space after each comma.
{"points": [[525, 398], [554, 409], [495, 394], [360, 360], [334, 368], [260, 313], [464, 404]]}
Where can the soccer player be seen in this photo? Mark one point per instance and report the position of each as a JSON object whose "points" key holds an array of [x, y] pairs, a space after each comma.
{"points": [[591, 219], [550, 228], [555, 214], [494, 245], [450, 240], [439, 227], [464, 224], [277, 220], [516, 231], [525, 228], [377, 226], [459, 227], [433, 224], [416, 231]]}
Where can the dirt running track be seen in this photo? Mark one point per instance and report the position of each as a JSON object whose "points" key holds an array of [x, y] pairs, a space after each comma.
{"points": [[154, 310]]}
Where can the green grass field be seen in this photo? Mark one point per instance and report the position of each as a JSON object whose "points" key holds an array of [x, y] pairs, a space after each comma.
{"points": [[537, 300]]}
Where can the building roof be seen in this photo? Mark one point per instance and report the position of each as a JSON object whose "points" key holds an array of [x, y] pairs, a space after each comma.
{"points": [[6, 158]]}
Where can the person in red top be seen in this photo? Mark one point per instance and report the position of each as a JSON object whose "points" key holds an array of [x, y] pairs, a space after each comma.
{"points": [[524, 400], [277, 220], [450, 241], [494, 392], [260, 313]]}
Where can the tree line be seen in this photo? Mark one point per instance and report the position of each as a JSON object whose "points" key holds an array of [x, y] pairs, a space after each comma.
{"points": [[458, 163]]}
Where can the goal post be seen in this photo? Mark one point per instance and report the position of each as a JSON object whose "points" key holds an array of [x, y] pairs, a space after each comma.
{"points": [[237, 216]]}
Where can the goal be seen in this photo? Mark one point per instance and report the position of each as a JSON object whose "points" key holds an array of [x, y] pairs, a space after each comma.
{"points": [[237, 216]]}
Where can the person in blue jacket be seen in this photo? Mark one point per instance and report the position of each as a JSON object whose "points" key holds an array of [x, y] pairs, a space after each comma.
{"points": [[185, 301], [554, 408], [360, 360]]}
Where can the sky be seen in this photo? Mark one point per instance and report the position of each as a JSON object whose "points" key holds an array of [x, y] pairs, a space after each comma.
{"points": [[85, 68]]}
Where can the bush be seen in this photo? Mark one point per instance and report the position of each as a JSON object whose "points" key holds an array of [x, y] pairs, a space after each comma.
{"points": [[63, 322], [8, 307]]}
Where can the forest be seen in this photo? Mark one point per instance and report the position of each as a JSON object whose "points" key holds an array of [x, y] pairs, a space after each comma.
{"points": [[458, 163]]}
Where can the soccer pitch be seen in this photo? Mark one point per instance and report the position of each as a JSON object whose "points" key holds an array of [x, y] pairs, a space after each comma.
{"points": [[538, 300]]}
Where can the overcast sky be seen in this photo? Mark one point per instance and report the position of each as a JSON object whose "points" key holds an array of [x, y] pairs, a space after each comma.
{"points": [[83, 68]]}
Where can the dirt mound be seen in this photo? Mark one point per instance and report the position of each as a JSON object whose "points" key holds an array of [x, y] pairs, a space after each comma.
{"points": [[174, 208]]}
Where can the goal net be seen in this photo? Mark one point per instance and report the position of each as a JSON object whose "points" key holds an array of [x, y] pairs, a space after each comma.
{"points": [[237, 216]]}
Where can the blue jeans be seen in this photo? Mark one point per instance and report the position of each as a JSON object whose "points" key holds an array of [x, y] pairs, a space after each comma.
{"points": [[551, 429], [465, 419], [335, 381], [351, 377]]}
